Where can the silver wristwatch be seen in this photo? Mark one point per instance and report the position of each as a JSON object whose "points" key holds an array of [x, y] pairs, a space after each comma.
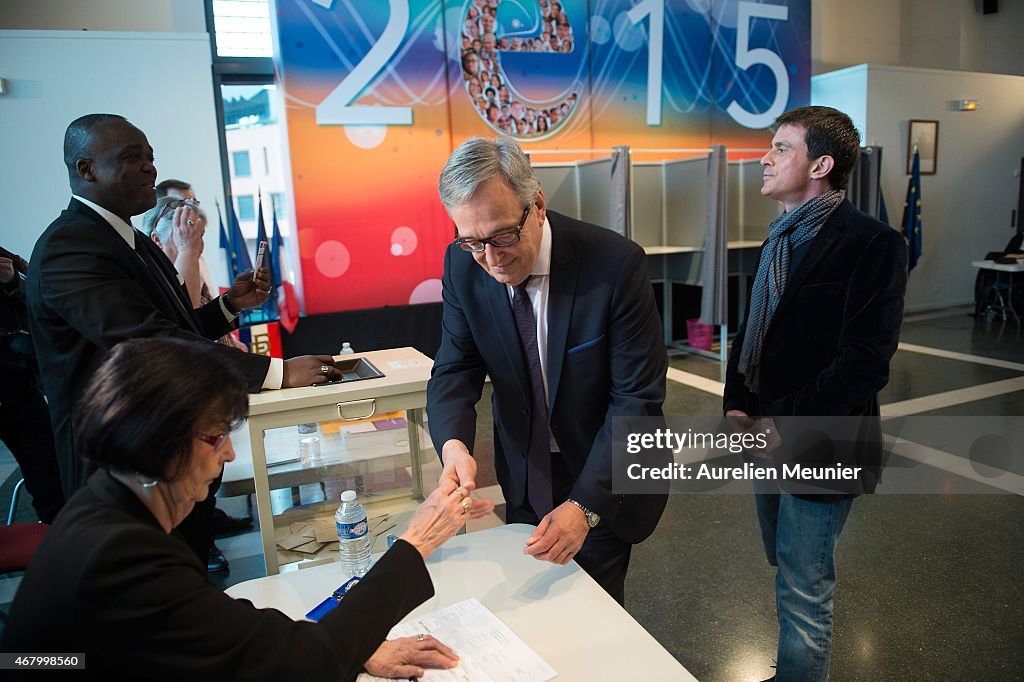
{"points": [[592, 518]]}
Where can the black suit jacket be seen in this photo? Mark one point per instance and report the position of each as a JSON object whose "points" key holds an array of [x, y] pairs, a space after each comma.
{"points": [[88, 291], [605, 359], [827, 349], [109, 582]]}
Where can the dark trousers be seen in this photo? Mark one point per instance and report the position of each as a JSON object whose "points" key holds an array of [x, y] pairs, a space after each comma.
{"points": [[25, 429], [603, 555]]}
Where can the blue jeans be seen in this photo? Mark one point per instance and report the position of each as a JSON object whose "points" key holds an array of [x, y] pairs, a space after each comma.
{"points": [[800, 540]]}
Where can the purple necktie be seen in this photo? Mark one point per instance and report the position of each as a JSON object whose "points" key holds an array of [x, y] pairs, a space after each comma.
{"points": [[538, 458]]}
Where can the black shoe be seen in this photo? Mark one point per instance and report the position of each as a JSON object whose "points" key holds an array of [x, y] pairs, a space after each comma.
{"points": [[216, 561], [222, 525]]}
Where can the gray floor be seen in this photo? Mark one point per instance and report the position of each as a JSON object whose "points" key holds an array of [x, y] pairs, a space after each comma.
{"points": [[930, 585]]}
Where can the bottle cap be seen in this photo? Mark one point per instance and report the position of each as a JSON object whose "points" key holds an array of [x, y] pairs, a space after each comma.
{"points": [[348, 496]]}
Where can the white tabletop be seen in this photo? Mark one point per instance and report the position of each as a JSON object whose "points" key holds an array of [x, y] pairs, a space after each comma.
{"points": [[558, 611], [992, 265]]}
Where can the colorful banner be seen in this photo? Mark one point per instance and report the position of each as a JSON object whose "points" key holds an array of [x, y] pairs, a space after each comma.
{"points": [[378, 93]]}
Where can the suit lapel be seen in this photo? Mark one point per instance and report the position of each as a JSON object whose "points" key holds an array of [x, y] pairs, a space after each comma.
{"points": [[164, 269], [497, 300], [150, 264], [821, 246], [561, 296]]}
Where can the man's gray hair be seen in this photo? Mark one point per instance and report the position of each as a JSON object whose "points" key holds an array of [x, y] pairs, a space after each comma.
{"points": [[165, 228], [476, 161]]}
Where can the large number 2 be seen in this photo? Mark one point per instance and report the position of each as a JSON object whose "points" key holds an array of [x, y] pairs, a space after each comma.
{"points": [[337, 107], [655, 41], [745, 58]]}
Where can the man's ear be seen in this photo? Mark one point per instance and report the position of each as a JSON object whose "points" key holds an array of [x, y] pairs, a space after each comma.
{"points": [[822, 167], [542, 206], [85, 169]]}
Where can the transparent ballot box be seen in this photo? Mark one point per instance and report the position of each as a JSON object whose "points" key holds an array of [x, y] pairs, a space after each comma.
{"points": [[302, 447]]}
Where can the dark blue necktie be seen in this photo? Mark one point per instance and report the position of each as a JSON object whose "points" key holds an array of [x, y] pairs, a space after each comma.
{"points": [[538, 458]]}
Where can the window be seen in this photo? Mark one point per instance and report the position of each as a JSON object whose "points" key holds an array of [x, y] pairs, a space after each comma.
{"points": [[266, 161], [241, 163], [277, 201], [242, 28], [246, 208]]}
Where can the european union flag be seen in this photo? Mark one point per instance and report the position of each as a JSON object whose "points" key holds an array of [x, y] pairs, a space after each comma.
{"points": [[912, 214], [238, 256]]}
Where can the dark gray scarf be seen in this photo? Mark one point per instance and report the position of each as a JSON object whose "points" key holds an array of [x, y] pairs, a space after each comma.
{"points": [[785, 233]]}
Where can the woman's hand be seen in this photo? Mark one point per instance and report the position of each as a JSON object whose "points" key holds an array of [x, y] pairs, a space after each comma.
{"points": [[405, 657], [441, 515], [189, 227]]}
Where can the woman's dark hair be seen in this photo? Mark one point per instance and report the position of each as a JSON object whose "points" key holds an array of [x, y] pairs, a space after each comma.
{"points": [[829, 132], [142, 408]]}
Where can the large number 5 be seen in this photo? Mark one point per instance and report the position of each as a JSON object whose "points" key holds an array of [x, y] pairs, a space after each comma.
{"points": [[337, 107], [745, 58]]}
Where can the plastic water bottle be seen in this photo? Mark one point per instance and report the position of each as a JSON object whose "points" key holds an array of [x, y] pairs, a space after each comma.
{"points": [[346, 349], [353, 535]]}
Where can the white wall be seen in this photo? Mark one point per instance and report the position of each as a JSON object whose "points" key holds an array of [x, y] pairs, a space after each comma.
{"points": [[57, 76], [967, 204], [934, 34], [185, 16]]}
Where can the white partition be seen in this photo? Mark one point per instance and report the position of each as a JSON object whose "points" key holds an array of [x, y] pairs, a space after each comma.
{"points": [[593, 187], [648, 198], [685, 184], [749, 212]]}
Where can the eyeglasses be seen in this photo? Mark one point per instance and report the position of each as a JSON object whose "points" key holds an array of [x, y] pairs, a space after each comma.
{"points": [[500, 240], [215, 441], [177, 203]]}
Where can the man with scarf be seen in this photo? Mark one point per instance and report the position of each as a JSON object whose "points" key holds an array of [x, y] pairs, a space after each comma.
{"points": [[822, 325]]}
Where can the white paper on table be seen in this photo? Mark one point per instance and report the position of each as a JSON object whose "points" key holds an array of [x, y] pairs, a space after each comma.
{"points": [[488, 650]]}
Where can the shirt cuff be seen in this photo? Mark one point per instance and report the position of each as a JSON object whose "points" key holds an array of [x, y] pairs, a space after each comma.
{"points": [[230, 317], [275, 374]]}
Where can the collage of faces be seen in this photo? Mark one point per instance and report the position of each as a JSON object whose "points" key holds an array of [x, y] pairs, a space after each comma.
{"points": [[485, 81]]}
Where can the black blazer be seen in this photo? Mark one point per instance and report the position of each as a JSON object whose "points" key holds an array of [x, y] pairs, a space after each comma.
{"points": [[827, 349], [606, 358], [88, 291], [109, 582]]}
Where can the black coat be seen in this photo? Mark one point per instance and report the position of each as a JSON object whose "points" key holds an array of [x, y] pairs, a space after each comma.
{"points": [[606, 358], [88, 291], [108, 581], [827, 349]]}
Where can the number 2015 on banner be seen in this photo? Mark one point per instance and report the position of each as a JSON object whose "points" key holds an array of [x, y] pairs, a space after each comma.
{"points": [[339, 108]]}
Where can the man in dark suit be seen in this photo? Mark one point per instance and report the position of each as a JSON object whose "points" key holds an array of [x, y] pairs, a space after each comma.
{"points": [[94, 282], [560, 315], [24, 419], [822, 325]]}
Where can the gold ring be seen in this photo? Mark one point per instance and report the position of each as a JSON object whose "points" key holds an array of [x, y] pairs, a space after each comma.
{"points": [[465, 506], [420, 637], [462, 495]]}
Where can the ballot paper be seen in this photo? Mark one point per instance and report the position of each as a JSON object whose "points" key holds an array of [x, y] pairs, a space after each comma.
{"points": [[488, 650]]}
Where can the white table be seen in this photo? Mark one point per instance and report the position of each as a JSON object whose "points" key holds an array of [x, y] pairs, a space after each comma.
{"points": [[998, 268], [403, 387], [558, 611]]}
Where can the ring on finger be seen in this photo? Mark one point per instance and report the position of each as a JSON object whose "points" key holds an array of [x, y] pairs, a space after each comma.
{"points": [[190, 222], [465, 506], [324, 369], [462, 495], [420, 637]]}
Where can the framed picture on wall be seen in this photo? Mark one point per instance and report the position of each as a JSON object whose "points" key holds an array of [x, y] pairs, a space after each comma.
{"points": [[924, 135]]}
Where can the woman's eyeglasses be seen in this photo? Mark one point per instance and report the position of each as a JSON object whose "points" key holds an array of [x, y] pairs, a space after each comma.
{"points": [[177, 203], [215, 441]]}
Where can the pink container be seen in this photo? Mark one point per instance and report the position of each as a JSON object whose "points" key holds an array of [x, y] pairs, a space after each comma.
{"points": [[699, 335]]}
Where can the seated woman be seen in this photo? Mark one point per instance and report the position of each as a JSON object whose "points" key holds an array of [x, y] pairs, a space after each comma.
{"points": [[113, 579]]}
